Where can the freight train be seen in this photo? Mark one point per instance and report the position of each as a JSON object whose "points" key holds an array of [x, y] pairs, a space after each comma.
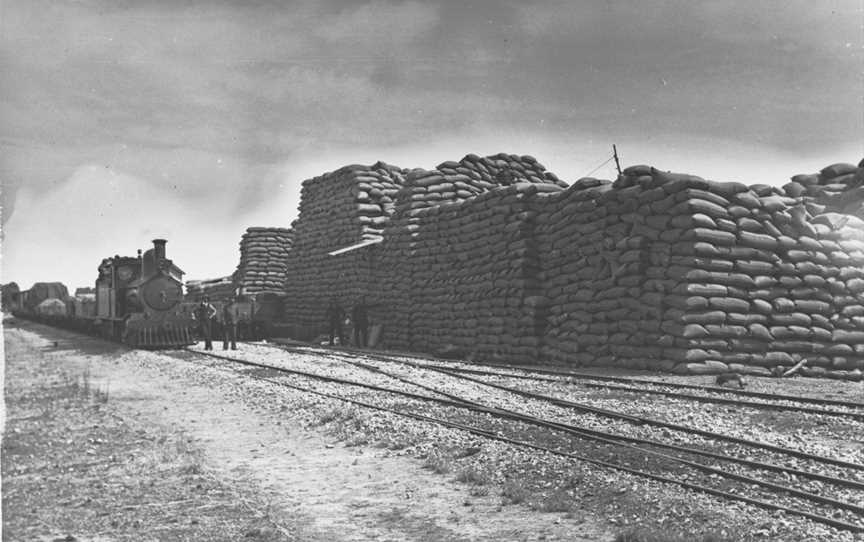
{"points": [[138, 301]]}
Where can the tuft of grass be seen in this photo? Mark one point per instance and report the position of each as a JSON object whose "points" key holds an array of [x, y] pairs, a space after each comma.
{"points": [[348, 426], [81, 385], [359, 439], [101, 394], [394, 443], [472, 475], [176, 450], [191, 467], [479, 491], [467, 452], [401, 442], [333, 415], [514, 492], [557, 501], [653, 535], [438, 464]]}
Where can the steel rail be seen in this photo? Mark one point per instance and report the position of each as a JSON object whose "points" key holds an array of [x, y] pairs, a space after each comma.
{"points": [[410, 382], [587, 376], [702, 398], [639, 420], [707, 389], [563, 427], [844, 482], [580, 432], [689, 396], [847, 483], [573, 375], [642, 420], [839, 524]]}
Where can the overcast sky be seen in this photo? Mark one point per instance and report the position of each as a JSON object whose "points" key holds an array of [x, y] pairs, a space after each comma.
{"points": [[126, 120]]}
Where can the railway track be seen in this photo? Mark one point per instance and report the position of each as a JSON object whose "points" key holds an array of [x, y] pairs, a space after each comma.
{"points": [[714, 394], [837, 513], [843, 514], [574, 375], [745, 446], [844, 482], [637, 420]]}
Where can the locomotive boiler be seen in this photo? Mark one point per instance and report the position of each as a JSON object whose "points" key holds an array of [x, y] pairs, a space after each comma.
{"points": [[138, 300]]}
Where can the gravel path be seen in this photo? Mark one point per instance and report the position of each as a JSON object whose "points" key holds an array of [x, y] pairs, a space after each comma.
{"points": [[295, 451], [341, 472], [752, 525]]}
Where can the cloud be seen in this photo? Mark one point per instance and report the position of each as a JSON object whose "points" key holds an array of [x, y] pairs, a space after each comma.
{"points": [[378, 26], [98, 212], [227, 105], [190, 95], [777, 74]]}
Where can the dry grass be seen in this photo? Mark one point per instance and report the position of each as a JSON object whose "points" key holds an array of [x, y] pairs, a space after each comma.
{"points": [[514, 492], [472, 475], [358, 439], [333, 415], [560, 500], [81, 385], [438, 463], [652, 535], [74, 469]]}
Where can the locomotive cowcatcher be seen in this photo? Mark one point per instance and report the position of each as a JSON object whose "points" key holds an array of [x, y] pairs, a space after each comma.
{"points": [[138, 300]]}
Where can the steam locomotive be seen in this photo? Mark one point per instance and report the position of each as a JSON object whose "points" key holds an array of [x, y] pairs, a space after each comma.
{"points": [[138, 301]]}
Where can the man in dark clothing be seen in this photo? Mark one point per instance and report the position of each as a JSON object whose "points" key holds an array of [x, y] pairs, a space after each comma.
{"points": [[360, 318], [335, 315], [204, 314], [230, 316]]}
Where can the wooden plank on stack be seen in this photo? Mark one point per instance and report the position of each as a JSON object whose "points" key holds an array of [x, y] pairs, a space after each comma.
{"points": [[216, 289], [337, 210]]}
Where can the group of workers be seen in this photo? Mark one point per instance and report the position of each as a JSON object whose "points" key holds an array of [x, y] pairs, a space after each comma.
{"points": [[359, 321], [205, 313]]}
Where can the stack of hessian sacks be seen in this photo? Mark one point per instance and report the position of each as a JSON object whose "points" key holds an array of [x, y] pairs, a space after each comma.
{"points": [[337, 210], [496, 258], [263, 260], [460, 275], [674, 272], [473, 175], [838, 187]]}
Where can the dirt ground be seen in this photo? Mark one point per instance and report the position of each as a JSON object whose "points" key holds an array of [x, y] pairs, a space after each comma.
{"points": [[103, 443]]}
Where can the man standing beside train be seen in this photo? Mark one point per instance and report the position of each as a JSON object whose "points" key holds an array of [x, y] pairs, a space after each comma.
{"points": [[204, 313], [360, 318], [335, 314], [230, 317]]}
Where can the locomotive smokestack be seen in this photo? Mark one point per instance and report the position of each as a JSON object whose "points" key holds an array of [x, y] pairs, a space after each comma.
{"points": [[159, 250]]}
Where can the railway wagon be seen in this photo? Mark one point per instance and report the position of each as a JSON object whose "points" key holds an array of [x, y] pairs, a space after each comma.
{"points": [[8, 293], [51, 311], [257, 313], [28, 301], [81, 312], [41, 302]]}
